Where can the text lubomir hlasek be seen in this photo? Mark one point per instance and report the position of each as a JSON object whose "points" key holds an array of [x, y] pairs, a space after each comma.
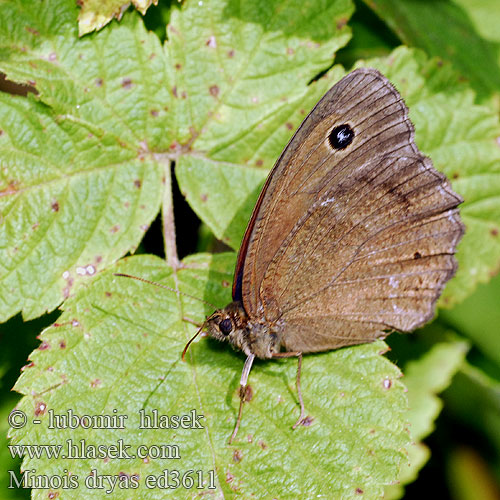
{"points": [[147, 420]]}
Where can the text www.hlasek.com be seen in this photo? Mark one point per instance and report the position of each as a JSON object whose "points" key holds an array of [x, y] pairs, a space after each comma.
{"points": [[82, 450]]}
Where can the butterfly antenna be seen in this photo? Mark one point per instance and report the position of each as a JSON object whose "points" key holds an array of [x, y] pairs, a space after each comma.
{"points": [[166, 288]]}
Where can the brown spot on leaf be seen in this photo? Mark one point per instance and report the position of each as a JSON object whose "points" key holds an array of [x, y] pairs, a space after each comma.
{"points": [[29, 365], [40, 408], [174, 91], [289, 126], [455, 175], [262, 444], [178, 66], [108, 294], [359, 491], [35, 225], [307, 421], [154, 112], [184, 94], [214, 90], [259, 163], [137, 183], [387, 383], [211, 42], [115, 228], [55, 206], [127, 83], [229, 477], [494, 232], [230, 53], [341, 23], [53, 494], [12, 188], [33, 31], [95, 383], [290, 51], [248, 393], [99, 82], [44, 346], [204, 197], [225, 283], [237, 456], [62, 344]]}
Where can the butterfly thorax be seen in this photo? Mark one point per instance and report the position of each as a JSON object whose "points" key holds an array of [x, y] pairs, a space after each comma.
{"points": [[233, 325]]}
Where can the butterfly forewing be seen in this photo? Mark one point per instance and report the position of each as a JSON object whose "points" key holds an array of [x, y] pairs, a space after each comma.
{"points": [[346, 243]]}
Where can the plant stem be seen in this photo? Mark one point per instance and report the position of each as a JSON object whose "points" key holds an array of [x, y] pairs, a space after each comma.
{"points": [[169, 242]]}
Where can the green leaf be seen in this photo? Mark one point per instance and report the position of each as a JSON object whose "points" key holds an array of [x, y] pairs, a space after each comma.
{"points": [[370, 37], [474, 398], [79, 183], [428, 376], [445, 30], [8, 464], [425, 377], [84, 159], [222, 115], [95, 14], [484, 15], [224, 193], [463, 141], [469, 476], [240, 99], [478, 318], [108, 352]]}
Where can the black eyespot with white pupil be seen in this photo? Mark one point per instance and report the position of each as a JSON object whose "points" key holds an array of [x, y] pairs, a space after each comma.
{"points": [[225, 326], [340, 137]]}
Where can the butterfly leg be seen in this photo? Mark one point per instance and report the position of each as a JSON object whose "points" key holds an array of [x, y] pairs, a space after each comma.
{"points": [[298, 355], [243, 390]]}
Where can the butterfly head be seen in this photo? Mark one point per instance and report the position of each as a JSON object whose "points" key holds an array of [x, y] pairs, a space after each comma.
{"points": [[232, 324], [228, 324]]}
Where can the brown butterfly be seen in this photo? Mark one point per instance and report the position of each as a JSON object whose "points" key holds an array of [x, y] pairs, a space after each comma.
{"points": [[353, 235]]}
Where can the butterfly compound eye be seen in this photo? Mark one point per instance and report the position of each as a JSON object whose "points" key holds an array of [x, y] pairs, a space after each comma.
{"points": [[225, 326], [340, 137]]}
